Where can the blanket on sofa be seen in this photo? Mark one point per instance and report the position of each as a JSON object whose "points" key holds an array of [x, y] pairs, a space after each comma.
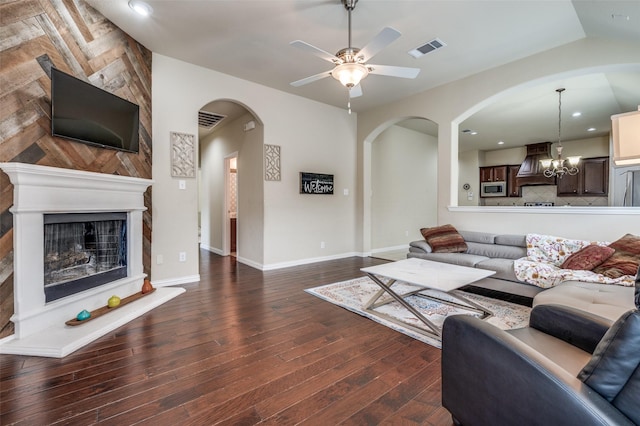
{"points": [[546, 254]]}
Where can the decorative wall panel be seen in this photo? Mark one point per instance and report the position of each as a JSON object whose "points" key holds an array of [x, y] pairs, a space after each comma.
{"points": [[183, 155], [271, 162], [75, 38]]}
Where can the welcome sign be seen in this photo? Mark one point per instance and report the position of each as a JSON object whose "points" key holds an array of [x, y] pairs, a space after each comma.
{"points": [[316, 183]]}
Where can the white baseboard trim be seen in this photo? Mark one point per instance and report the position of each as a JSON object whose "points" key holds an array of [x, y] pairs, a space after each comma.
{"points": [[211, 249], [273, 266], [176, 281], [299, 262], [401, 247], [249, 262]]}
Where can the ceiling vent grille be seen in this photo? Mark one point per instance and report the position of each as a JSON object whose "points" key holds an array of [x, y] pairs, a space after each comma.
{"points": [[208, 119], [428, 47]]}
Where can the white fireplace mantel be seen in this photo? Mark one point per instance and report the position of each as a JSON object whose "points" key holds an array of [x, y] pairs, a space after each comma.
{"points": [[40, 190]]}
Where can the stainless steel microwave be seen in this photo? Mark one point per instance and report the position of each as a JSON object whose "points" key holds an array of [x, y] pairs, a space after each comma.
{"points": [[493, 189]]}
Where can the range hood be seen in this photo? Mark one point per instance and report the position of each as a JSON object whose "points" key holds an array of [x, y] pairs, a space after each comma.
{"points": [[531, 171]]}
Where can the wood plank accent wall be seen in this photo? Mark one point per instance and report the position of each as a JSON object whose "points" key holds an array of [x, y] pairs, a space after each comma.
{"points": [[75, 38]]}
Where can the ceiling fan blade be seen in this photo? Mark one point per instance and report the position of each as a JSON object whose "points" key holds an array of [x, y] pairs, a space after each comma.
{"points": [[384, 38], [311, 79], [355, 92], [316, 51], [391, 71]]}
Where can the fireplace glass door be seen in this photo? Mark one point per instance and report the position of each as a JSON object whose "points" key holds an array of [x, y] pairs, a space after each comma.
{"points": [[82, 251]]}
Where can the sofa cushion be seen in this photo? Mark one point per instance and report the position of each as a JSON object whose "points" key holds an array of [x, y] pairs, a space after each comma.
{"points": [[421, 245], [462, 259], [625, 260], [613, 369], [568, 357], [503, 268], [444, 239], [496, 250], [512, 240], [478, 237], [608, 301], [588, 258]]}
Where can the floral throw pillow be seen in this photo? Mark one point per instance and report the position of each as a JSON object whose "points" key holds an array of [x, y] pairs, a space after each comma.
{"points": [[588, 258], [444, 239]]}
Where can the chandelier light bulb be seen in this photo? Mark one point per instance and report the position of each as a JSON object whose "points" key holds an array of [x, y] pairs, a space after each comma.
{"points": [[574, 160]]}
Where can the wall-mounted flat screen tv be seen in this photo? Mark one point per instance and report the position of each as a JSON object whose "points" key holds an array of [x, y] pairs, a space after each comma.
{"points": [[85, 113]]}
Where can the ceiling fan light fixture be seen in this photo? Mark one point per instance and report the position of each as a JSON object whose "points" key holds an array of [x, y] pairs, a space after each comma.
{"points": [[349, 74]]}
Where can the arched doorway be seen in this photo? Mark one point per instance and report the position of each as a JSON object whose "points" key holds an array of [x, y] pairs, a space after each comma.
{"points": [[230, 177], [400, 184]]}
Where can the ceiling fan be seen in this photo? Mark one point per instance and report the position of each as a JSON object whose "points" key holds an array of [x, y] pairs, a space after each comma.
{"points": [[351, 63]]}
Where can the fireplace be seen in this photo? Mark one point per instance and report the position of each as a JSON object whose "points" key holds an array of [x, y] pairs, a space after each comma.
{"points": [[82, 251], [97, 255]]}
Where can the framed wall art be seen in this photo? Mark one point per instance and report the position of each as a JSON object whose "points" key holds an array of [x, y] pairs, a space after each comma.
{"points": [[316, 183]]}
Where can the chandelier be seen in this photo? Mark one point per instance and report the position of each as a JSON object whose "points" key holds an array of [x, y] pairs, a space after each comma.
{"points": [[560, 166]]}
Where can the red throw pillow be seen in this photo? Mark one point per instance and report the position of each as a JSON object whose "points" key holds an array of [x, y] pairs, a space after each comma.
{"points": [[588, 258], [624, 261], [444, 239]]}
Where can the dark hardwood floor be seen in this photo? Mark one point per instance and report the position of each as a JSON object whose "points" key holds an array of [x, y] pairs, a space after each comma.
{"points": [[241, 347]]}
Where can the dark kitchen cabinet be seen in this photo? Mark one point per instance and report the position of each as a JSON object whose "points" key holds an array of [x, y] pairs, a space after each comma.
{"points": [[493, 174], [592, 180], [513, 190]]}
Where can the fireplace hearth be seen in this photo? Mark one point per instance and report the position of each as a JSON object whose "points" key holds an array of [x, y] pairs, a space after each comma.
{"points": [[99, 217]]}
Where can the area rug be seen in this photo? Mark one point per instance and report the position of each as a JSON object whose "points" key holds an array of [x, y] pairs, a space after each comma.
{"points": [[353, 294]]}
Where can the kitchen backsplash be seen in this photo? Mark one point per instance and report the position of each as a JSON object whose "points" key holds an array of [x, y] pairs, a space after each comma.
{"points": [[544, 193]]}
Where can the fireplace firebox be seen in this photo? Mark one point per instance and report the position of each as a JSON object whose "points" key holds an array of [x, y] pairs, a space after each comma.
{"points": [[83, 251]]}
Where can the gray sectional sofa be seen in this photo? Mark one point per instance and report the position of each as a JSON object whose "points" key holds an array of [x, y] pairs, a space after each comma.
{"points": [[496, 252]]}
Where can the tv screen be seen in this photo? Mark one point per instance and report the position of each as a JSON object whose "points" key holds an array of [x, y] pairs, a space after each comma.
{"points": [[85, 113]]}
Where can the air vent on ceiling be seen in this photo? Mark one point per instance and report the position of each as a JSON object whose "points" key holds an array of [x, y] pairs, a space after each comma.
{"points": [[428, 47], [208, 119]]}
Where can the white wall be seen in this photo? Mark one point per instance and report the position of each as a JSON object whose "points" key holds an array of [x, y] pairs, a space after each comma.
{"points": [[319, 139], [469, 166], [452, 103], [404, 186], [586, 148], [312, 136]]}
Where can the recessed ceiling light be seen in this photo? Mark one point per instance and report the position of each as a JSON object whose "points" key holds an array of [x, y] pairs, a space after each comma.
{"points": [[140, 7], [576, 114], [500, 142], [591, 129], [474, 133]]}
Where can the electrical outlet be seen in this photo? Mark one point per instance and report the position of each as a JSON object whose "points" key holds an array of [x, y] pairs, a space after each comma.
{"points": [[159, 259], [183, 256], [406, 233], [322, 244], [182, 184]]}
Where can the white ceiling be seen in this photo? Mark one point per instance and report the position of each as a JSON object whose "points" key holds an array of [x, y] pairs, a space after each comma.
{"points": [[250, 39]]}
